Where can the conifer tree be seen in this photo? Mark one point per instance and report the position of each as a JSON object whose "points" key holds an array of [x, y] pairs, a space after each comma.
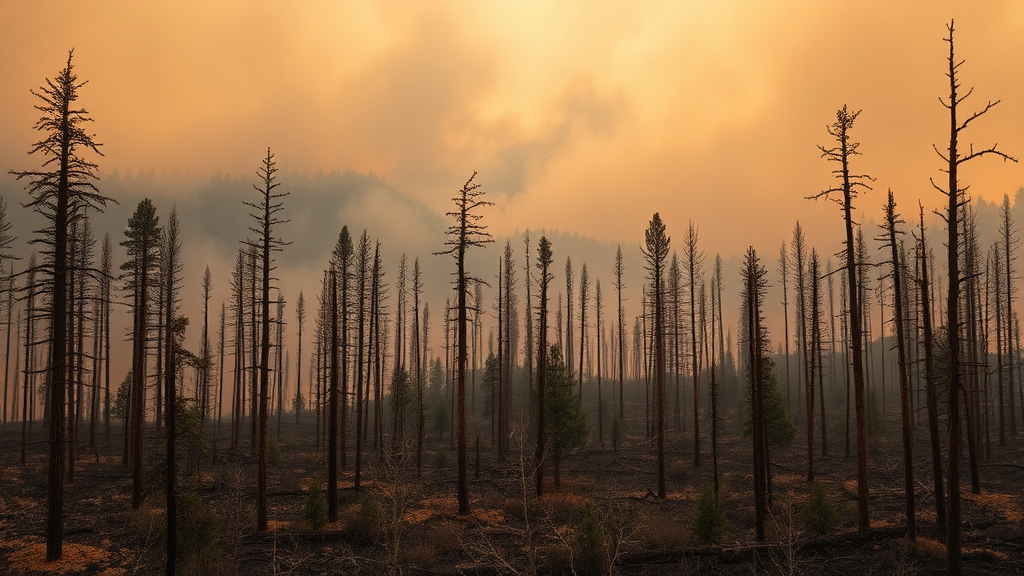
{"points": [[266, 211], [851, 184], [892, 220], [619, 270], [465, 233], [1009, 244], [300, 319], [142, 244], [694, 259], [61, 190], [544, 260], [956, 196], [655, 252], [171, 278], [565, 420], [754, 288]]}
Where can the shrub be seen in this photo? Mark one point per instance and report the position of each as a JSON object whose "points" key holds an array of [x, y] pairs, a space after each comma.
{"points": [[819, 516], [366, 521], [198, 547], [591, 552], [191, 438], [315, 509], [708, 523]]}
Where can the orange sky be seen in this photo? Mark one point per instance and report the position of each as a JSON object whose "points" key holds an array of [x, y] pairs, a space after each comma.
{"points": [[583, 116]]}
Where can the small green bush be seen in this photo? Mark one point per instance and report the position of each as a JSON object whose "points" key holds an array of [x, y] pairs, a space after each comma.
{"points": [[591, 551], [315, 509], [365, 523], [708, 523], [198, 545], [819, 515]]}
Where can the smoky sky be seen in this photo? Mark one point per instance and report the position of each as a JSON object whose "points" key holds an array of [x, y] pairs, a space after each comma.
{"points": [[580, 118]]}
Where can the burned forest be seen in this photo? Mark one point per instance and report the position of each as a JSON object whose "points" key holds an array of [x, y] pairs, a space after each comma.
{"points": [[319, 364]]}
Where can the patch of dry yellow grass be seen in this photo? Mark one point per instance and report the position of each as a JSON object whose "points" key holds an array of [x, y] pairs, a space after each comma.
{"points": [[929, 547], [76, 559], [275, 525], [1005, 505]]}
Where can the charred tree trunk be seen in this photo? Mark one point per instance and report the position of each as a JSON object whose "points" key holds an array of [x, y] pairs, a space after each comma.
{"points": [[851, 184], [955, 196], [891, 221], [544, 259]]}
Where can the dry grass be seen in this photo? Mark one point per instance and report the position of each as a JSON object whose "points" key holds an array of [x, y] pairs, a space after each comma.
{"points": [[929, 547], [76, 559], [276, 525], [1006, 505], [685, 494], [984, 554], [562, 502]]}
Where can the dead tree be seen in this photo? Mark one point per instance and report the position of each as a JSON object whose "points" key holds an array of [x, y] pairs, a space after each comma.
{"points": [[694, 259], [544, 259], [655, 252], [754, 288], [417, 288], [465, 233], [931, 395], [238, 306], [265, 214], [851, 184], [584, 304], [221, 345], [29, 376], [568, 313], [340, 266], [713, 387], [818, 344], [398, 414], [6, 239], [61, 190], [598, 306], [363, 270], [528, 349], [204, 346], [171, 277], [300, 319], [812, 348], [619, 270], [106, 272], [892, 220], [1009, 241], [783, 270], [956, 196], [511, 341], [675, 285], [799, 246]]}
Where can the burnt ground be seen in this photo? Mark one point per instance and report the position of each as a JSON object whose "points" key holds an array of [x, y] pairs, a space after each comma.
{"points": [[399, 522]]}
